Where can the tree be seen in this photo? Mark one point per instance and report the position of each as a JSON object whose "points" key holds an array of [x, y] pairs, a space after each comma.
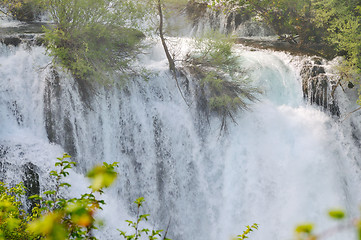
{"points": [[342, 19], [290, 19], [215, 67], [335, 24], [92, 38], [224, 87], [343, 22], [170, 58], [162, 37]]}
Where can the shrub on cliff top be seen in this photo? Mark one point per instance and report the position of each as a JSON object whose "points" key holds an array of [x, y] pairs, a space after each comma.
{"points": [[91, 38]]}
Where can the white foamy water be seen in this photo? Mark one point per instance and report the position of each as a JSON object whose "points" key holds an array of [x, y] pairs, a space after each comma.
{"points": [[284, 162], [6, 21]]}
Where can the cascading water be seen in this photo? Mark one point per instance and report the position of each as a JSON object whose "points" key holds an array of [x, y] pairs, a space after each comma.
{"points": [[284, 161]]}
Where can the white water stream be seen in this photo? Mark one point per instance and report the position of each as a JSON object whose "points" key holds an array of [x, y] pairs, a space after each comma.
{"points": [[283, 163]]}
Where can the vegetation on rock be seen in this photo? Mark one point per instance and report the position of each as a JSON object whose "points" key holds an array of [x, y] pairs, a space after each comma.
{"points": [[23, 10], [342, 19], [91, 38], [222, 79], [334, 24]]}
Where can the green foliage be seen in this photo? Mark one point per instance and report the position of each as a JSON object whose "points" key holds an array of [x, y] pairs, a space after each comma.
{"points": [[227, 97], [23, 10], [60, 218], [135, 225], [246, 232], [306, 231], [336, 214], [342, 19], [214, 50], [224, 86], [91, 38], [304, 228], [332, 25], [293, 18], [69, 218], [13, 219], [102, 176]]}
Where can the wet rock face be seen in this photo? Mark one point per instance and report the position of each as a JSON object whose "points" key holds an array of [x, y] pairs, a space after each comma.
{"points": [[17, 39], [27, 173], [3, 151], [11, 41], [196, 10], [58, 124], [31, 34], [31, 183], [317, 86]]}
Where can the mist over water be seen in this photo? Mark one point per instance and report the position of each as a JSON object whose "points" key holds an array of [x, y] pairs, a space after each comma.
{"points": [[282, 163]]}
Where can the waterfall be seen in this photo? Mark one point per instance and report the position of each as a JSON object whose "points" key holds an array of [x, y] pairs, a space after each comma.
{"points": [[282, 163]]}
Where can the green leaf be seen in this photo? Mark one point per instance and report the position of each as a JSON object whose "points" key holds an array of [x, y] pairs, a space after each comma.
{"points": [[64, 185], [337, 214], [144, 216], [37, 197], [129, 222], [102, 176], [50, 192], [146, 230], [245, 233], [13, 223], [304, 228], [139, 201]]}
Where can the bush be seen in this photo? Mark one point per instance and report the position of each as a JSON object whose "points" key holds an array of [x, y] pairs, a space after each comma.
{"points": [[90, 38], [224, 86], [71, 218], [58, 218], [22, 10], [13, 218]]}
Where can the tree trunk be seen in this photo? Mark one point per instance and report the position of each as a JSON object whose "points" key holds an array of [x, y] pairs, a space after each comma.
{"points": [[161, 35], [166, 50]]}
